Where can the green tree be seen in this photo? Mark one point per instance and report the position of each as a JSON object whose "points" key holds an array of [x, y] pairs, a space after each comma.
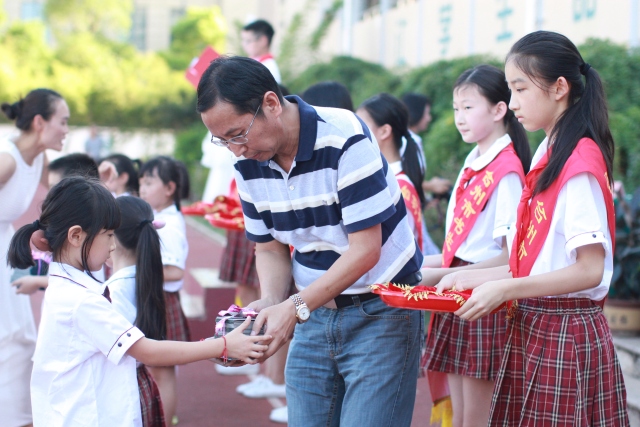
{"points": [[199, 28], [363, 79], [105, 17]]}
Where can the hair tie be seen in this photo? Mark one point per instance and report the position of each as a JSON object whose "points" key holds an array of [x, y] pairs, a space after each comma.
{"points": [[144, 222], [158, 223], [584, 68], [36, 224]]}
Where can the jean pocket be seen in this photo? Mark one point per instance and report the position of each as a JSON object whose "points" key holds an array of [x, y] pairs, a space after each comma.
{"points": [[376, 309]]}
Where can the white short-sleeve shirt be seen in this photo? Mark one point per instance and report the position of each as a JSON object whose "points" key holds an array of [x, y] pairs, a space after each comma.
{"points": [[484, 241], [82, 375], [173, 243], [579, 219], [122, 286]]}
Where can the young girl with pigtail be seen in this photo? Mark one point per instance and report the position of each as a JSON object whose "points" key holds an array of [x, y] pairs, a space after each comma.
{"points": [[163, 183], [559, 365], [84, 369], [481, 211], [136, 289], [388, 120]]}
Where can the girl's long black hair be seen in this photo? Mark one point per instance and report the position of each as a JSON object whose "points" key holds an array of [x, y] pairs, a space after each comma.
{"points": [[386, 109], [169, 170], [73, 201], [546, 56], [491, 84], [137, 233]]}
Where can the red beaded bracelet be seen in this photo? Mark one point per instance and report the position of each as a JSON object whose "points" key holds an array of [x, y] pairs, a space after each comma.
{"points": [[225, 357]]}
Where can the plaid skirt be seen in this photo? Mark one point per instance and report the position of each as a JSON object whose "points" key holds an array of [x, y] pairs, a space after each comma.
{"points": [[472, 349], [150, 402], [559, 368], [239, 260], [177, 325]]}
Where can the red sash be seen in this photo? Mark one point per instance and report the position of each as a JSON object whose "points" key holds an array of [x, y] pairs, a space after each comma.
{"points": [[412, 201], [534, 219], [264, 57], [473, 192]]}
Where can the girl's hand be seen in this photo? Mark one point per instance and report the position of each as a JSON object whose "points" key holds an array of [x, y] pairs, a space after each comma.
{"points": [[432, 276], [484, 299], [451, 281], [245, 347], [29, 284]]}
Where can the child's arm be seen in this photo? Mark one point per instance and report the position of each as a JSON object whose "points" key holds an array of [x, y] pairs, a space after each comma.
{"points": [[586, 273], [30, 284], [170, 353], [432, 276], [172, 273]]}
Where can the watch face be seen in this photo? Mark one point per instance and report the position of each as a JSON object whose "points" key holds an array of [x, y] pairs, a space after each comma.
{"points": [[304, 313]]}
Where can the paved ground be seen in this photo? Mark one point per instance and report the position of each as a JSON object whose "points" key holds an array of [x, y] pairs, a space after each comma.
{"points": [[205, 397]]}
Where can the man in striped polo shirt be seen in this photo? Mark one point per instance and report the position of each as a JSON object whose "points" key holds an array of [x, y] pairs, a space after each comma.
{"points": [[314, 179]]}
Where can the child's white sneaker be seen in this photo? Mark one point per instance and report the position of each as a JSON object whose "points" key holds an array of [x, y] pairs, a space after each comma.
{"points": [[265, 389], [253, 383], [279, 415], [238, 370]]}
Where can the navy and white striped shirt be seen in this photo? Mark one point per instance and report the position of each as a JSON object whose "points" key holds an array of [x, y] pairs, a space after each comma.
{"points": [[339, 183]]}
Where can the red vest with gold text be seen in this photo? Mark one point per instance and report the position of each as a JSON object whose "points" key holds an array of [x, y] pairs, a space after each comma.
{"points": [[473, 193], [535, 212]]}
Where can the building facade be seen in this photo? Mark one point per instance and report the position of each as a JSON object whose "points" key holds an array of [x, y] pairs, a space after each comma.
{"points": [[393, 33]]}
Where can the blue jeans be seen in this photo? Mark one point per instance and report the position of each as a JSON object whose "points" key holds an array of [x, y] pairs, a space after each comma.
{"points": [[354, 366]]}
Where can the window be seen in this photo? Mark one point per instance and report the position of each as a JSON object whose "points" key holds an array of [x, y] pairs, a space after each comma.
{"points": [[30, 10], [139, 28]]}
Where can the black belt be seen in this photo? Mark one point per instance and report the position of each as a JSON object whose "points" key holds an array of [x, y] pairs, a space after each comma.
{"points": [[343, 301]]}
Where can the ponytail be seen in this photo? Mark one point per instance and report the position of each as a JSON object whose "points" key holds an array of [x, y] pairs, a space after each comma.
{"points": [[386, 109], [587, 117], [19, 254], [74, 201], [411, 167], [150, 317], [519, 138], [137, 233], [545, 57]]}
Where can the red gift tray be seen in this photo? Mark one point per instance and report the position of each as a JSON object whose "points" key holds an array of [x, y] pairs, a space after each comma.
{"points": [[226, 221], [422, 297], [220, 204], [198, 208]]}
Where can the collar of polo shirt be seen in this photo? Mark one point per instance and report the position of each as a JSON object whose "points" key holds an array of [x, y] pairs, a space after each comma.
{"points": [[308, 129]]}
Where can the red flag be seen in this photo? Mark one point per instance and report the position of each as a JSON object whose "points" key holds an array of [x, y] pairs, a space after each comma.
{"points": [[199, 65]]}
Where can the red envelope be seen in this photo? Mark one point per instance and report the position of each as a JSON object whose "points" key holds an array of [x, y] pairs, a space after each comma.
{"points": [[199, 65]]}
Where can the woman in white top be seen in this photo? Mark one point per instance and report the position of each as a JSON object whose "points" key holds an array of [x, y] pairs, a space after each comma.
{"points": [[41, 117]]}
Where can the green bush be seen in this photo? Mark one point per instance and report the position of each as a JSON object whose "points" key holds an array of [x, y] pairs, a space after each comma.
{"points": [[363, 79]]}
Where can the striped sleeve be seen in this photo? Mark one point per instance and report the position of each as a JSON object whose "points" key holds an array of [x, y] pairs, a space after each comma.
{"points": [[362, 187], [255, 228]]}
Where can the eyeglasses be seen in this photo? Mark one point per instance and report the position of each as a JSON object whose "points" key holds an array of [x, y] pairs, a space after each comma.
{"points": [[236, 140]]}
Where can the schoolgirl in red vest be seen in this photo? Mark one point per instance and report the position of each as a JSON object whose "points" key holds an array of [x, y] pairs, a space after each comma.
{"points": [[559, 366], [388, 120], [481, 211]]}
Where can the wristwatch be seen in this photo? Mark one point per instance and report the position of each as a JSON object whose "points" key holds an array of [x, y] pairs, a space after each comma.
{"points": [[302, 311]]}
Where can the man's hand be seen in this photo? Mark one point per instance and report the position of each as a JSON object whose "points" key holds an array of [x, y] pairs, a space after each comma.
{"points": [[280, 321]]}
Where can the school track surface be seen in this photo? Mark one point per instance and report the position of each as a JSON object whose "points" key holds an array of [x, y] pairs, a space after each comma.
{"points": [[207, 398]]}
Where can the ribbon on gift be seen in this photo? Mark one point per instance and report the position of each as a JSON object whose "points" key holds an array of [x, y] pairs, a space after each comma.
{"points": [[233, 312]]}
